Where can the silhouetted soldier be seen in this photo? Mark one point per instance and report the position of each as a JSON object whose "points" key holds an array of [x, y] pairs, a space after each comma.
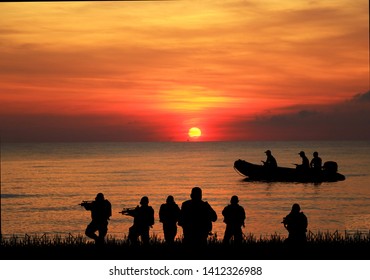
{"points": [[143, 220], [196, 217], [169, 214], [234, 216], [305, 163], [316, 162], [270, 160], [101, 210], [296, 224]]}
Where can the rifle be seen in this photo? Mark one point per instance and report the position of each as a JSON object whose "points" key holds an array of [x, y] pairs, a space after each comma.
{"points": [[127, 211], [85, 202]]}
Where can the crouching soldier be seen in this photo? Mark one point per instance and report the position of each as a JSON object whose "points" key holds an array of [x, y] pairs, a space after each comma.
{"points": [[143, 220], [296, 224]]}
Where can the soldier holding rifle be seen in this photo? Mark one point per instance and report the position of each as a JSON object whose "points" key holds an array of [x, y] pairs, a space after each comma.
{"points": [[101, 210], [143, 220]]}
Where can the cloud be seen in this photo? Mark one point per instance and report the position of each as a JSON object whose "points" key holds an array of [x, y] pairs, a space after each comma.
{"points": [[348, 120], [361, 98], [80, 128]]}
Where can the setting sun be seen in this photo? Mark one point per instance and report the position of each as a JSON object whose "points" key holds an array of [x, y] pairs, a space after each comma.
{"points": [[194, 132]]}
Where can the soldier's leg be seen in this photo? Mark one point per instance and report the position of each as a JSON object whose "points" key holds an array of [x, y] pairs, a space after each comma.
{"points": [[145, 236], [133, 234], [103, 229], [166, 233], [170, 232], [91, 229], [228, 234], [203, 239], [187, 236], [238, 235]]}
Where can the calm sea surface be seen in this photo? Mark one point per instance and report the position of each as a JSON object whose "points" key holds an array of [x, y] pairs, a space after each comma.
{"points": [[42, 184]]}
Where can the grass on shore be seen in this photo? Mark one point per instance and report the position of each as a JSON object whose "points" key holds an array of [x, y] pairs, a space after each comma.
{"points": [[321, 245]]}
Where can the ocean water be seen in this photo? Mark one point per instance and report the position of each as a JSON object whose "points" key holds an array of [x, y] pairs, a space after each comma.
{"points": [[42, 184]]}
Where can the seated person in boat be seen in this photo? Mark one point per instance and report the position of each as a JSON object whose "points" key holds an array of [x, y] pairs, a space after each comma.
{"points": [[270, 160], [305, 163], [316, 162]]}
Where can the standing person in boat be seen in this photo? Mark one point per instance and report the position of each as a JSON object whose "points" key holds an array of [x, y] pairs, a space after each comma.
{"points": [[234, 217], [143, 220], [169, 214], [101, 211], [296, 224], [316, 162], [305, 162], [270, 160], [196, 217]]}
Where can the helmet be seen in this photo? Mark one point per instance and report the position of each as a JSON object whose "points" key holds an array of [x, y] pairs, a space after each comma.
{"points": [[234, 199], [296, 207], [144, 200], [196, 193], [99, 196], [170, 199]]}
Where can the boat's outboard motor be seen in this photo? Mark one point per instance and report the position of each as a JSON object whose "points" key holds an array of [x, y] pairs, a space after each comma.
{"points": [[331, 167]]}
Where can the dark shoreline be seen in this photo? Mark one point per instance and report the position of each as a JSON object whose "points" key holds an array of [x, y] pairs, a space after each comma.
{"points": [[321, 246], [244, 252]]}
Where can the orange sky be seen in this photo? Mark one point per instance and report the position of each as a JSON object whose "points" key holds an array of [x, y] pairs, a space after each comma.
{"points": [[148, 71]]}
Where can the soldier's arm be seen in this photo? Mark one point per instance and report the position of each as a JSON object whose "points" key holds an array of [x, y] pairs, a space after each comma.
{"points": [[161, 213], [87, 205], [213, 214], [109, 212]]}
